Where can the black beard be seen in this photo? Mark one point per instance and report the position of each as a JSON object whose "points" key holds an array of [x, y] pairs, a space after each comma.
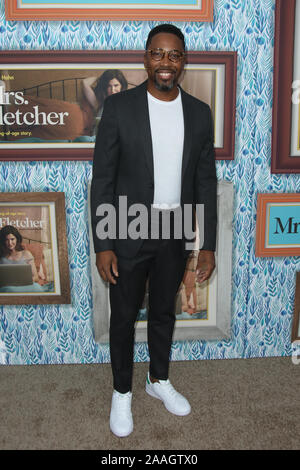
{"points": [[164, 86]]}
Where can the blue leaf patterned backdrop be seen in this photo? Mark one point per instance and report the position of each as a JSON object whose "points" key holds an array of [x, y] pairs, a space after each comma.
{"points": [[262, 289]]}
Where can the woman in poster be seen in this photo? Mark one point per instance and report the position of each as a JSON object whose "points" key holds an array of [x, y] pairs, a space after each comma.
{"points": [[13, 253], [110, 82], [40, 119]]}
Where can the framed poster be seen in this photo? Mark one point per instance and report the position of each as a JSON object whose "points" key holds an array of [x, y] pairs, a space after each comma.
{"points": [[54, 115], [286, 95], [278, 224], [187, 10], [34, 265], [202, 311], [296, 316]]}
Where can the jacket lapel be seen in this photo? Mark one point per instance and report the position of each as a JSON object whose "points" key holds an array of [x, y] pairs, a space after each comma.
{"points": [[144, 125], [188, 125]]}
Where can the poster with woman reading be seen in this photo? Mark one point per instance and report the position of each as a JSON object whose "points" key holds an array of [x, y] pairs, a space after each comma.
{"points": [[27, 249]]}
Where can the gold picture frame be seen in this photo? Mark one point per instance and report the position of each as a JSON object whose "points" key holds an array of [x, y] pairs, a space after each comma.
{"points": [[34, 265]]}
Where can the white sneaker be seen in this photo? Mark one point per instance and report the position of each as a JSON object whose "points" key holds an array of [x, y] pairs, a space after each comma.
{"points": [[121, 423], [173, 401]]}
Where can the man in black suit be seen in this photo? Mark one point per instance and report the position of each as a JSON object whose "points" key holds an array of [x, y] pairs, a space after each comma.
{"points": [[154, 146]]}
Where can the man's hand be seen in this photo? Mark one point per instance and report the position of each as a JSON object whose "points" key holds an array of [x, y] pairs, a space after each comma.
{"points": [[205, 266], [107, 262]]}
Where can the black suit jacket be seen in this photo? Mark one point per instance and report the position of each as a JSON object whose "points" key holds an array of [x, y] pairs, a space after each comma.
{"points": [[123, 163]]}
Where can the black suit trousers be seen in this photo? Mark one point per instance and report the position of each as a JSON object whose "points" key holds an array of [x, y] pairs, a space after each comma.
{"points": [[163, 263]]}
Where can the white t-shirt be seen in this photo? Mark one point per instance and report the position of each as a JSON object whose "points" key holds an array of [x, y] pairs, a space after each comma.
{"points": [[167, 131]]}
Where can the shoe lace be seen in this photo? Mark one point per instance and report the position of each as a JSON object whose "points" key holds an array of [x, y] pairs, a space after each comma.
{"points": [[168, 387], [124, 403]]}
